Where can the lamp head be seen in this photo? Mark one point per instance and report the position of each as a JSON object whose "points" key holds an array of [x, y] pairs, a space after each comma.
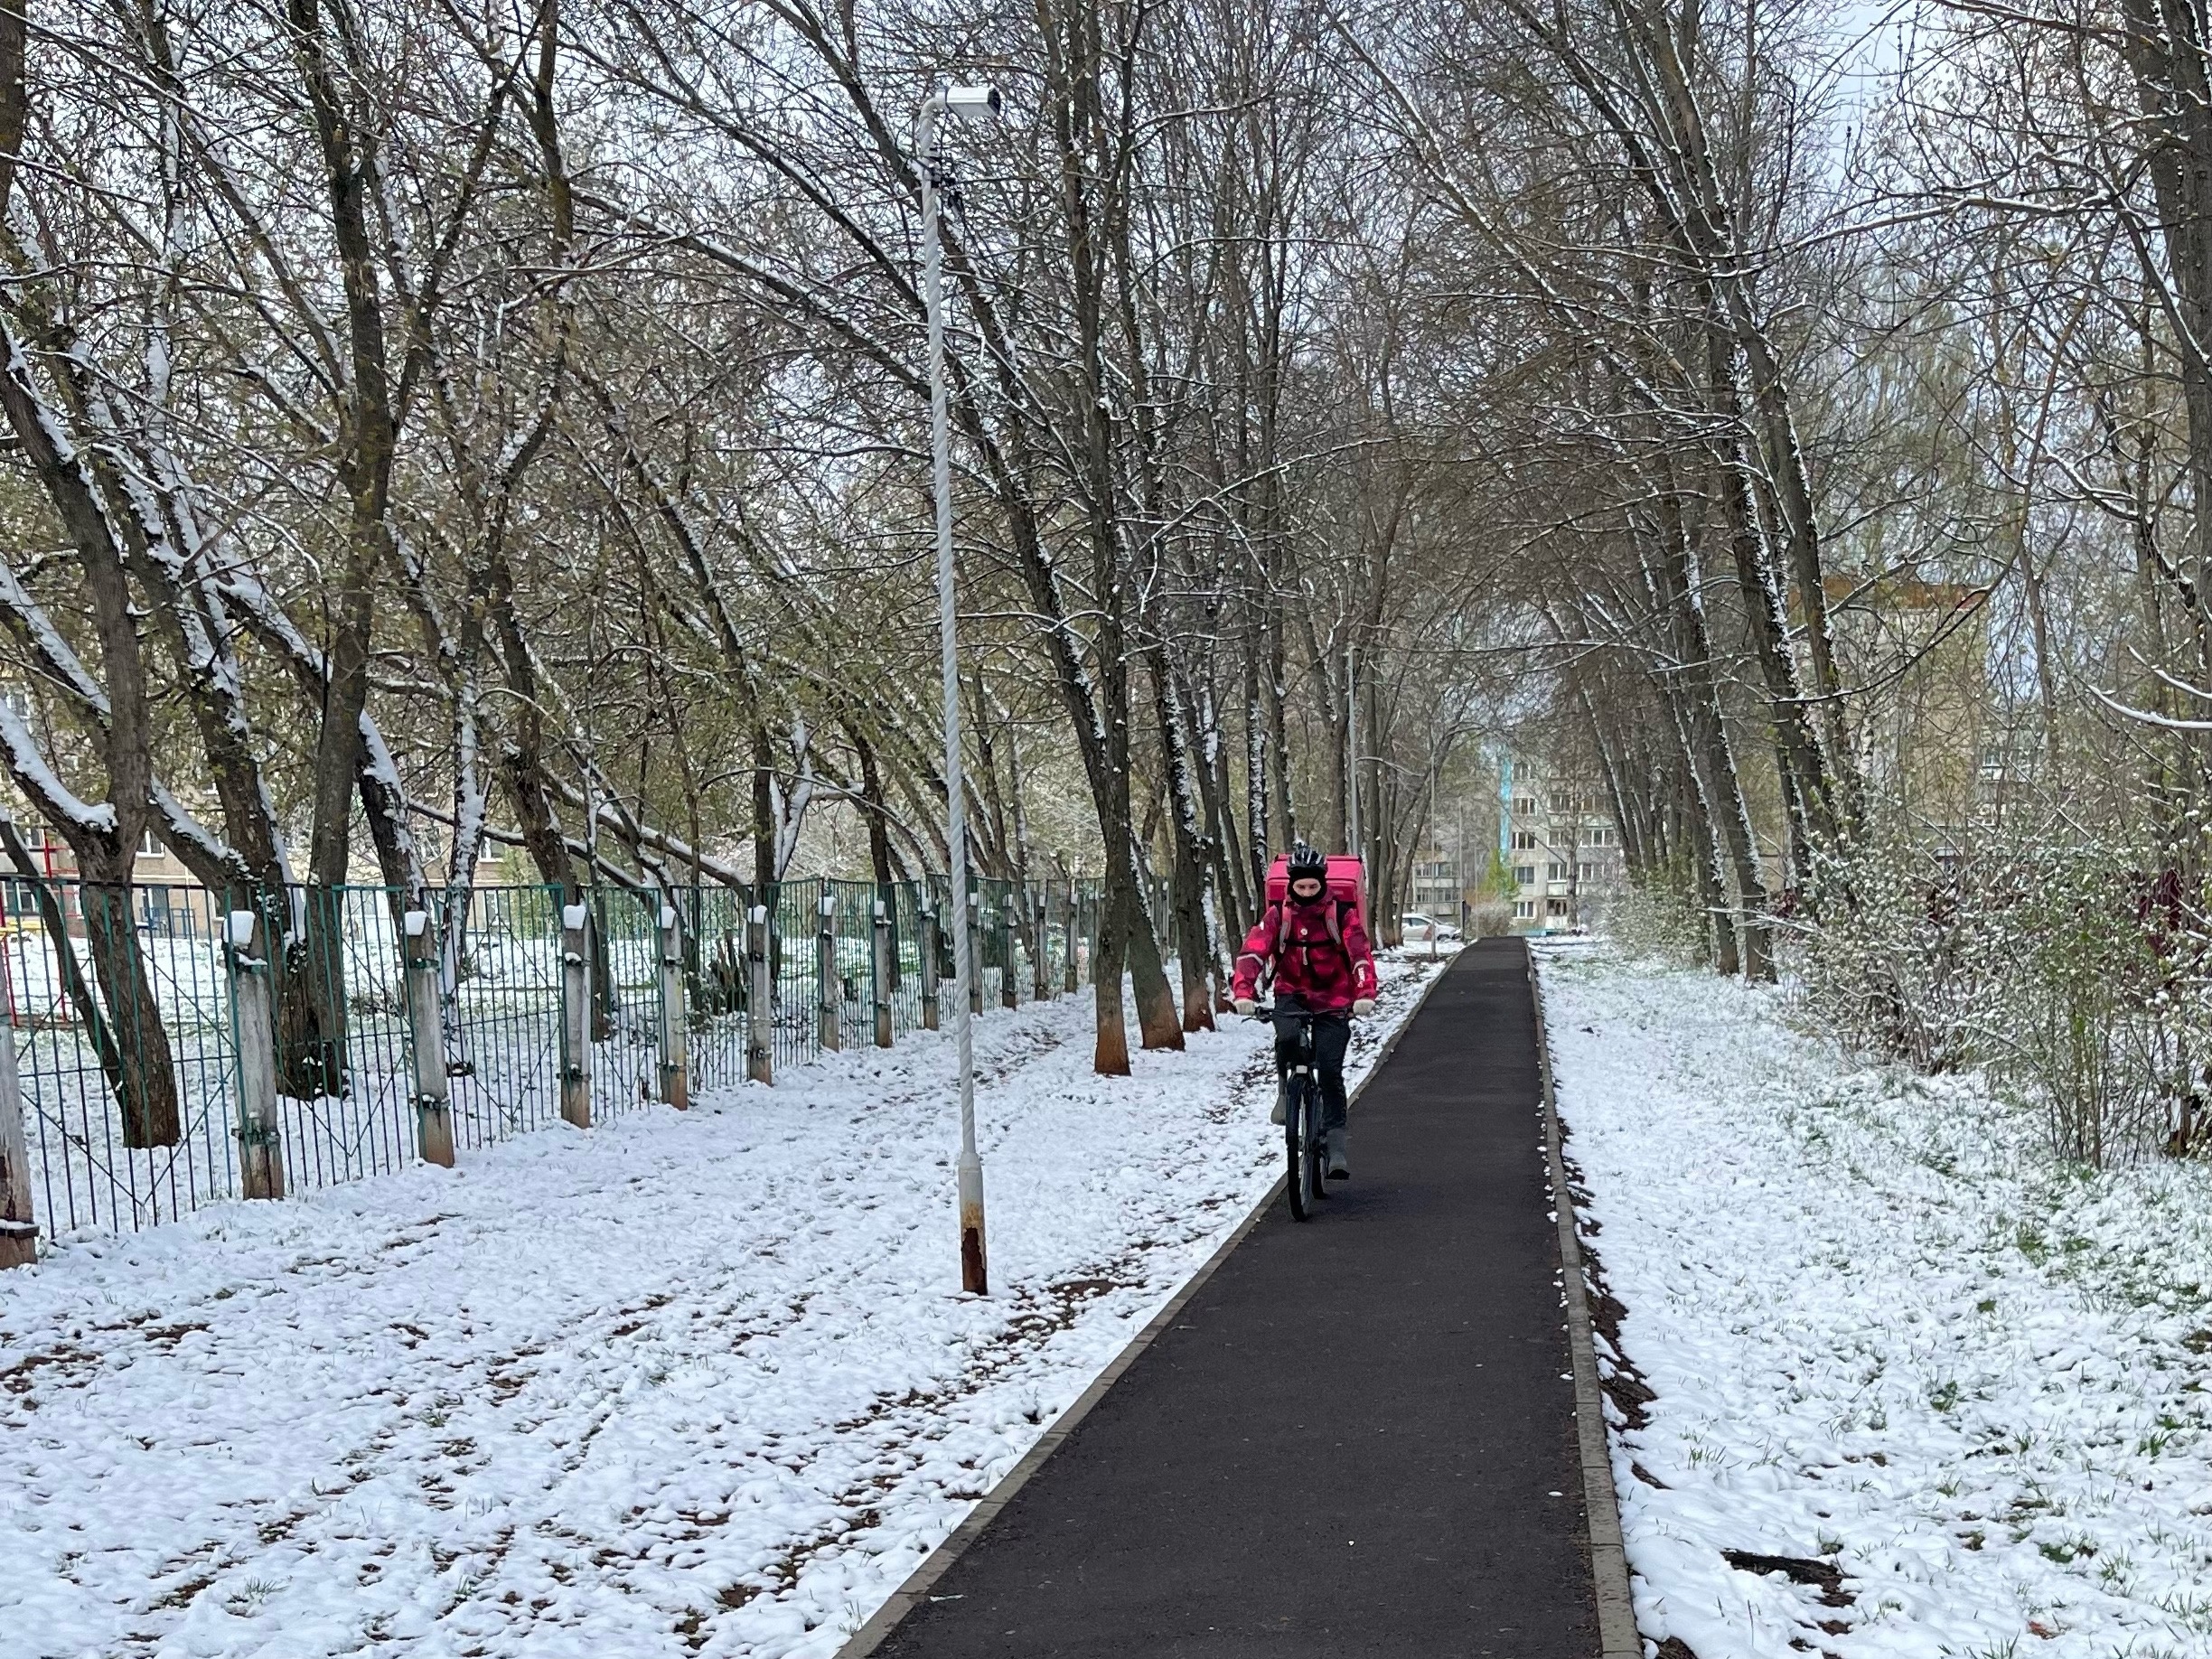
{"points": [[976, 103]]}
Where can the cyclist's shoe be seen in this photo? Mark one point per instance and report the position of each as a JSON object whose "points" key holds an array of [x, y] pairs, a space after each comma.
{"points": [[1277, 1116], [1338, 1169]]}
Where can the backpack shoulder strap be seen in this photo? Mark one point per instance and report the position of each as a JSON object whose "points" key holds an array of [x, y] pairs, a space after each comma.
{"points": [[1335, 922]]}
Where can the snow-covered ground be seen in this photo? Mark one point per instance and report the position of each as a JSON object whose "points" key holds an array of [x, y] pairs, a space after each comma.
{"points": [[688, 1383], [1966, 1392]]}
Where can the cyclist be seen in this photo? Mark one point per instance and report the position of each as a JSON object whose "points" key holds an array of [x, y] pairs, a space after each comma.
{"points": [[1324, 969]]}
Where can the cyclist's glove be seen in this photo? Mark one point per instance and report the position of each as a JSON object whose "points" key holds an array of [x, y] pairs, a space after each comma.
{"points": [[1245, 1005], [1365, 1005]]}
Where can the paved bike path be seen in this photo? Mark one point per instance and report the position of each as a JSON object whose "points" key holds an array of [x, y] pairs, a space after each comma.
{"points": [[1358, 1437]]}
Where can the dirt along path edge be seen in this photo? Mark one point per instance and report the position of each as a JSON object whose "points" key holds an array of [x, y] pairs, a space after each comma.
{"points": [[903, 1600], [1618, 1638]]}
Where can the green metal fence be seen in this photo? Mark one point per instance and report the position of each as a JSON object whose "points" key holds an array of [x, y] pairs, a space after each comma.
{"points": [[122, 1006], [501, 1002]]}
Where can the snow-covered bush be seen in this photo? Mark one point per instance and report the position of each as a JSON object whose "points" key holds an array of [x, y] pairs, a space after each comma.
{"points": [[2093, 968], [1489, 916], [1658, 920], [2072, 967], [1886, 968]]}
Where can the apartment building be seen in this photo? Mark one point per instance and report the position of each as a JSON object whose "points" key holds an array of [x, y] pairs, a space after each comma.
{"points": [[1558, 840], [1437, 886]]}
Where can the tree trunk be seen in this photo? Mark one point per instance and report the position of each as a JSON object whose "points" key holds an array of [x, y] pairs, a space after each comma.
{"points": [[1704, 733], [1283, 807], [1798, 761], [1159, 1025], [145, 1073], [1257, 733], [1190, 849], [139, 1095], [1111, 1055]]}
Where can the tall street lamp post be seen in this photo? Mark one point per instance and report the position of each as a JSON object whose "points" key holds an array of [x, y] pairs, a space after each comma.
{"points": [[969, 103]]}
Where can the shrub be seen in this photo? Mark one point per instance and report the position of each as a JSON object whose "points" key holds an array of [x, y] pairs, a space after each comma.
{"points": [[1660, 921], [1488, 917], [2072, 967]]}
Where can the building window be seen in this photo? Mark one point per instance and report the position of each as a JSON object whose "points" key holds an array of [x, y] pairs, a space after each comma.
{"points": [[1555, 907], [1525, 840], [1599, 837], [1586, 872], [1524, 806], [1555, 871], [149, 845], [1524, 910], [1524, 874]]}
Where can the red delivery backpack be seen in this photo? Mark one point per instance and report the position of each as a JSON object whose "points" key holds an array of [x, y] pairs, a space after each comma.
{"points": [[1346, 886]]}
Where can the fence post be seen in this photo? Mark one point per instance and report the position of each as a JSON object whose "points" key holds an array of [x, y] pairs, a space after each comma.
{"points": [[829, 990], [882, 964], [975, 953], [760, 1017], [1010, 984], [576, 1015], [261, 1171], [1040, 949], [675, 1030], [18, 1232], [434, 1137], [1071, 977], [931, 944]]}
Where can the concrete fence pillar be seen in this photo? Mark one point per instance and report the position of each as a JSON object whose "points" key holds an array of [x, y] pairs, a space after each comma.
{"points": [[418, 948], [1071, 970], [932, 941], [262, 1172], [760, 1009], [881, 961], [975, 955], [1040, 949], [830, 1000], [18, 1232], [675, 1025], [576, 1015]]}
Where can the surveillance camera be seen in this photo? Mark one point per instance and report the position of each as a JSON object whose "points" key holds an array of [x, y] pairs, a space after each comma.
{"points": [[974, 103]]}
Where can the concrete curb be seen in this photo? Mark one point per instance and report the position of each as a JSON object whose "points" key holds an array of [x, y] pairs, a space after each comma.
{"points": [[903, 1600], [1617, 1637]]}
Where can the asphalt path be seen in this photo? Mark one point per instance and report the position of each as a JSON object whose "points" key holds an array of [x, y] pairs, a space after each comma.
{"points": [[1358, 1437]]}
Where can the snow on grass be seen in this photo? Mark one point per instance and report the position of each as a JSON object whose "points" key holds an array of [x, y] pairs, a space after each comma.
{"points": [[1882, 1332], [687, 1383]]}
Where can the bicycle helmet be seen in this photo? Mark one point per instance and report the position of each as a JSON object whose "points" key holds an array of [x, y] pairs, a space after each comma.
{"points": [[1308, 861]]}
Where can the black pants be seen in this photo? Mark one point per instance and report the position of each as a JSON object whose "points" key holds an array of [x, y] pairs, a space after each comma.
{"points": [[1332, 1034]]}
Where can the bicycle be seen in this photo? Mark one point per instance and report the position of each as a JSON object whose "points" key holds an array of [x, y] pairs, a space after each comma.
{"points": [[1303, 1136]]}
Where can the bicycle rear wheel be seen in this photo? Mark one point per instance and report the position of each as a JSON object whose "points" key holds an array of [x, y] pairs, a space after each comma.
{"points": [[1297, 1141]]}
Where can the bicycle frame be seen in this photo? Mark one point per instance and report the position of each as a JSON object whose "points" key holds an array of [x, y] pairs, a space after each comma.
{"points": [[1303, 1067]]}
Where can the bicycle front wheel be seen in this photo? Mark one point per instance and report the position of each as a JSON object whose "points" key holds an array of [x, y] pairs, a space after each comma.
{"points": [[1316, 1146], [1298, 1132]]}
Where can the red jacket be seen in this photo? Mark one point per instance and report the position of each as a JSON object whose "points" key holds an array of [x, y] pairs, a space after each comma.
{"points": [[1319, 951]]}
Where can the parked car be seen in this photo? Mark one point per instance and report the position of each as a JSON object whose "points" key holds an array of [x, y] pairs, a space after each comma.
{"points": [[1415, 928], [1448, 933]]}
